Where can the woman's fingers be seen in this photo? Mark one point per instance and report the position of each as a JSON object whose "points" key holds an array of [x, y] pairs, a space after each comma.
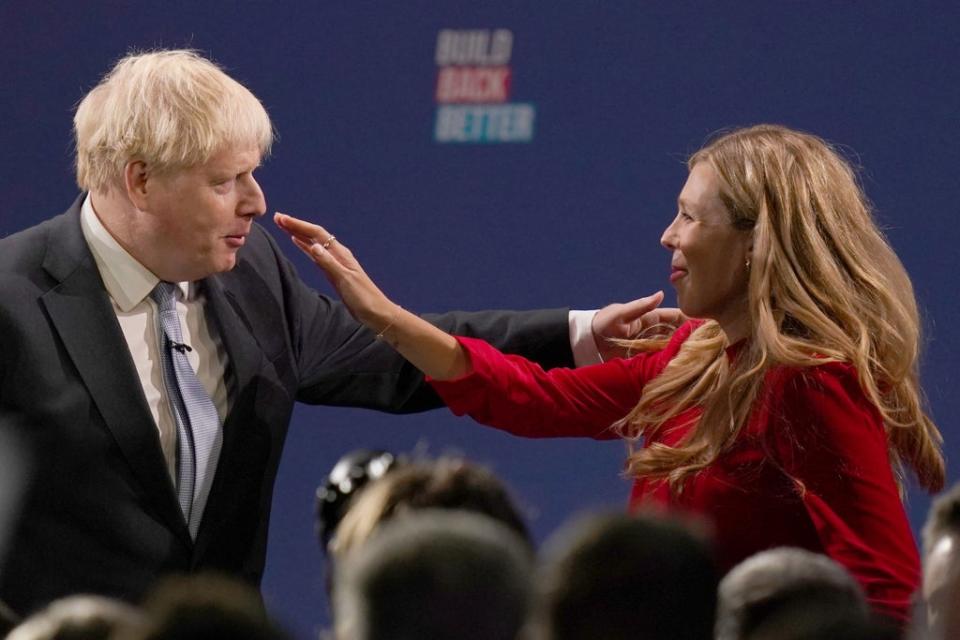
{"points": [[307, 247], [362, 297], [307, 235], [306, 231], [299, 227], [331, 264]]}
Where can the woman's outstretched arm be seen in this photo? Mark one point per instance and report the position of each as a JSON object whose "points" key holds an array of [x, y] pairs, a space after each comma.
{"points": [[436, 353]]}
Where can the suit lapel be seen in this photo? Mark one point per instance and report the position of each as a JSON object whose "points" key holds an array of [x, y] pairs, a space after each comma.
{"points": [[246, 361], [242, 349], [82, 315]]}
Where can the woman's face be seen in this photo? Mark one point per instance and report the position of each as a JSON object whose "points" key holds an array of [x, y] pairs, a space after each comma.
{"points": [[708, 266]]}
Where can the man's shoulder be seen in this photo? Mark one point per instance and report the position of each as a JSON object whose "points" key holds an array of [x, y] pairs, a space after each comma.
{"points": [[24, 249], [39, 257]]}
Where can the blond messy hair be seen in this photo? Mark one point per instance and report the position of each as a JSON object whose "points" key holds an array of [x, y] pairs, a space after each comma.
{"points": [[172, 109], [825, 286]]}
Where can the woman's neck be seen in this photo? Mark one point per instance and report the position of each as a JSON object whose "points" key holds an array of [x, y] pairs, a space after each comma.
{"points": [[736, 329]]}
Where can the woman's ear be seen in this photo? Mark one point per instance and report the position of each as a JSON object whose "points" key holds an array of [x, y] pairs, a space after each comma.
{"points": [[748, 257]]}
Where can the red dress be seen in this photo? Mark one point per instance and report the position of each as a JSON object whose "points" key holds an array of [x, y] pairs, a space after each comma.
{"points": [[809, 470]]}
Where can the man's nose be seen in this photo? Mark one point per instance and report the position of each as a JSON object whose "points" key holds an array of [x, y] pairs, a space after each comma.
{"points": [[253, 202]]}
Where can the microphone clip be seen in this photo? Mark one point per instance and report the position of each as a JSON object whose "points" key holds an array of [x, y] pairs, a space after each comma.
{"points": [[181, 347]]}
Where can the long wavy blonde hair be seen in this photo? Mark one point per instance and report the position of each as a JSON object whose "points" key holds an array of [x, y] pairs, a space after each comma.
{"points": [[824, 286]]}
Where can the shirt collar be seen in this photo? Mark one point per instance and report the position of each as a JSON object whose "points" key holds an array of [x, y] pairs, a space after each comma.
{"points": [[127, 281]]}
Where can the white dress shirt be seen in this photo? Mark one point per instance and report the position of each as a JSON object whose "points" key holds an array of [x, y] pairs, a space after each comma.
{"points": [[582, 342], [129, 284]]}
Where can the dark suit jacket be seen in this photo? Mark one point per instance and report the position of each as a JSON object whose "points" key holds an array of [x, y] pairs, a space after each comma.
{"points": [[102, 515]]}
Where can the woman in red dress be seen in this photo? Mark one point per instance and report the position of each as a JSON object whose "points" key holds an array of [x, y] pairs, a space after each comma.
{"points": [[783, 413]]}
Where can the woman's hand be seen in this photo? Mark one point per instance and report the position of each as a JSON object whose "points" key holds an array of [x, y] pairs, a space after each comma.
{"points": [[434, 352], [361, 296]]}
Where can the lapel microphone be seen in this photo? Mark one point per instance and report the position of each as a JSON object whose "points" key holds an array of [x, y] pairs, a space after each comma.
{"points": [[181, 347]]}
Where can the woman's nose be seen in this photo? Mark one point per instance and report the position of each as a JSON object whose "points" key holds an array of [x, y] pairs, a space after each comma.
{"points": [[667, 240]]}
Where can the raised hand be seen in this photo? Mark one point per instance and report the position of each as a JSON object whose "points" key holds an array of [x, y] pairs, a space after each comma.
{"points": [[434, 352], [359, 293]]}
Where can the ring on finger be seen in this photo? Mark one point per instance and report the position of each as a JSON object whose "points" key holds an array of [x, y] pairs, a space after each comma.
{"points": [[326, 245]]}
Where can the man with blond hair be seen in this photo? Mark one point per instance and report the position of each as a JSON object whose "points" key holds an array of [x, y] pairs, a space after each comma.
{"points": [[154, 339]]}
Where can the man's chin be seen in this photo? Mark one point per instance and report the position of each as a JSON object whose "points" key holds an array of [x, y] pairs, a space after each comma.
{"points": [[210, 268], [227, 263]]}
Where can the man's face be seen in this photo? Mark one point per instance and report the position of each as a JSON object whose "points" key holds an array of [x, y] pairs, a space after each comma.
{"points": [[196, 220]]}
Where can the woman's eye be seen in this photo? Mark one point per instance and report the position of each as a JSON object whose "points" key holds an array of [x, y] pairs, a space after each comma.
{"points": [[685, 216]]}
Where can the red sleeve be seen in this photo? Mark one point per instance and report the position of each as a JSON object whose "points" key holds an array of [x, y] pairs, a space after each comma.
{"points": [[516, 395], [833, 446]]}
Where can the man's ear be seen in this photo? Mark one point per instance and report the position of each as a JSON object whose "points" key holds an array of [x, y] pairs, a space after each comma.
{"points": [[135, 178]]}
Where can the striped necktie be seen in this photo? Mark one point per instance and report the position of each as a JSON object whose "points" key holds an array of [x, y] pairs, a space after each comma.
{"points": [[199, 435]]}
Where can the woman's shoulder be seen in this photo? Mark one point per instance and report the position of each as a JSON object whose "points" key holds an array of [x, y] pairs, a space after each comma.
{"points": [[827, 393], [808, 379], [683, 332], [654, 358], [677, 339], [821, 426]]}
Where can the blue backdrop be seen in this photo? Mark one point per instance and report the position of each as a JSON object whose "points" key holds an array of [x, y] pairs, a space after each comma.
{"points": [[557, 198]]}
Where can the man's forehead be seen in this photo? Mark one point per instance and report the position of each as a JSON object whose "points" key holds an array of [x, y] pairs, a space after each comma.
{"points": [[235, 157]]}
